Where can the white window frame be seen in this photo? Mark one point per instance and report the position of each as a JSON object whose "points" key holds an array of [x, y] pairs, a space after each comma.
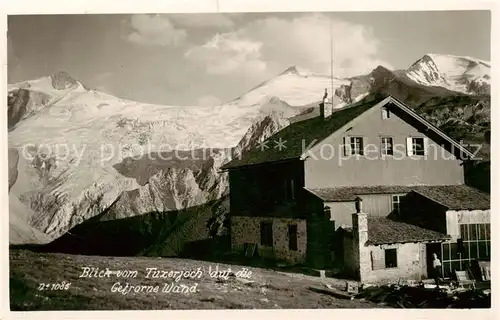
{"points": [[398, 197], [356, 148], [414, 146], [410, 146], [383, 146], [386, 114]]}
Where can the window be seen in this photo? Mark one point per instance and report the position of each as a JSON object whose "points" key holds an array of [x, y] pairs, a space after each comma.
{"points": [[386, 146], [385, 113], [357, 145], [391, 258], [383, 259], [292, 237], [417, 145], [475, 241], [266, 234], [396, 202], [327, 212], [474, 244]]}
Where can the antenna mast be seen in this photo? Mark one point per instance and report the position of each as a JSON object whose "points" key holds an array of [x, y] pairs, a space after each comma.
{"points": [[332, 46]]}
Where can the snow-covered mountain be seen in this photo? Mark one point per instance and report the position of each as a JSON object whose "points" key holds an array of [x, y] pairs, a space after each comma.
{"points": [[78, 148], [456, 73], [295, 86], [81, 153]]}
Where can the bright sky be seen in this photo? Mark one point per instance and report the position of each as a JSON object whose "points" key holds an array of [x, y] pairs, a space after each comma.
{"points": [[189, 59]]}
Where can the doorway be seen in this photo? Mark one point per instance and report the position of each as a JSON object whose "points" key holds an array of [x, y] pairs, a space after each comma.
{"points": [[430, 249]]}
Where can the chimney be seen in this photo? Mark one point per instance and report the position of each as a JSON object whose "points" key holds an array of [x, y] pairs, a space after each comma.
{"points": [[359, 205], [361, 253], [322, 105], [360, 222], [322, 110]]}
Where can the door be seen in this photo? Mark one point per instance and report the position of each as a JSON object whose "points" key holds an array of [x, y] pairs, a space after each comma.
{"points": [[432, 248]]}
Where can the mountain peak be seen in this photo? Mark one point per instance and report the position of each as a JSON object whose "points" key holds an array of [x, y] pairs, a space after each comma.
{"points": [[440, 58], [291, 70], [381, 69], [298, 71], [380, 76], [381, 72], [62, 80], [456, 73]]}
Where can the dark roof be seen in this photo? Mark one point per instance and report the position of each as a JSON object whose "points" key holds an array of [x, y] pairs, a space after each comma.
{"points": [[343, 194], [347, 230], [383, 230], [453, 197], [301, 133], [457, 197]]}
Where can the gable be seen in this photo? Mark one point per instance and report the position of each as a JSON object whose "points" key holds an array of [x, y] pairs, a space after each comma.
{"points": [[402, 122], [327, 164]]}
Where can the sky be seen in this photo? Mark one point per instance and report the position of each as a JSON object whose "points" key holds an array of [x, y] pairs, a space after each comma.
{"points": [[207, 59]]}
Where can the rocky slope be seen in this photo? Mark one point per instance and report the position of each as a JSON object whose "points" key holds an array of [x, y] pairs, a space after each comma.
{"points": [[93, 169], [20, 230]]}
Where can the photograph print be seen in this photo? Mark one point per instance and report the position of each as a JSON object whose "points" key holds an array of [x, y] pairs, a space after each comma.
{"points": [[272, 160]]}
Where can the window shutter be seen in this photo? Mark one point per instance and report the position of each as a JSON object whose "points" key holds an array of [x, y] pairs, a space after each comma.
{"points": [[378, 259], [385, 113], [409, 147], [347, 146], [426, 145]]}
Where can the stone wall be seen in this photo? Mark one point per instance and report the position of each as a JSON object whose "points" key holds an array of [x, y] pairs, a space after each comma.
{"points": [[411, 257], [411, 263], [247, 230], [360, 236]]}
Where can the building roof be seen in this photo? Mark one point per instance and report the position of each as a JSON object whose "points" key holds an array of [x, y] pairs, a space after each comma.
{"points": [[347, 194], [308, 133], [299, 134], [383, 230], [456, 197], [453, 197]]}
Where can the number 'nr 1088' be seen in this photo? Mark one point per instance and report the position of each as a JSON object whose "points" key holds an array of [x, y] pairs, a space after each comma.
{"points": [[54, 286]]}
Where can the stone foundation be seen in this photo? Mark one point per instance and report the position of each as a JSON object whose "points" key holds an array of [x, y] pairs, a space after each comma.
{"points": [[247, 230]]}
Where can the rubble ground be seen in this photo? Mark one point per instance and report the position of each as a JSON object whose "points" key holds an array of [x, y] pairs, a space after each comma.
{"points": [[242, 287], [427, 296]]}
